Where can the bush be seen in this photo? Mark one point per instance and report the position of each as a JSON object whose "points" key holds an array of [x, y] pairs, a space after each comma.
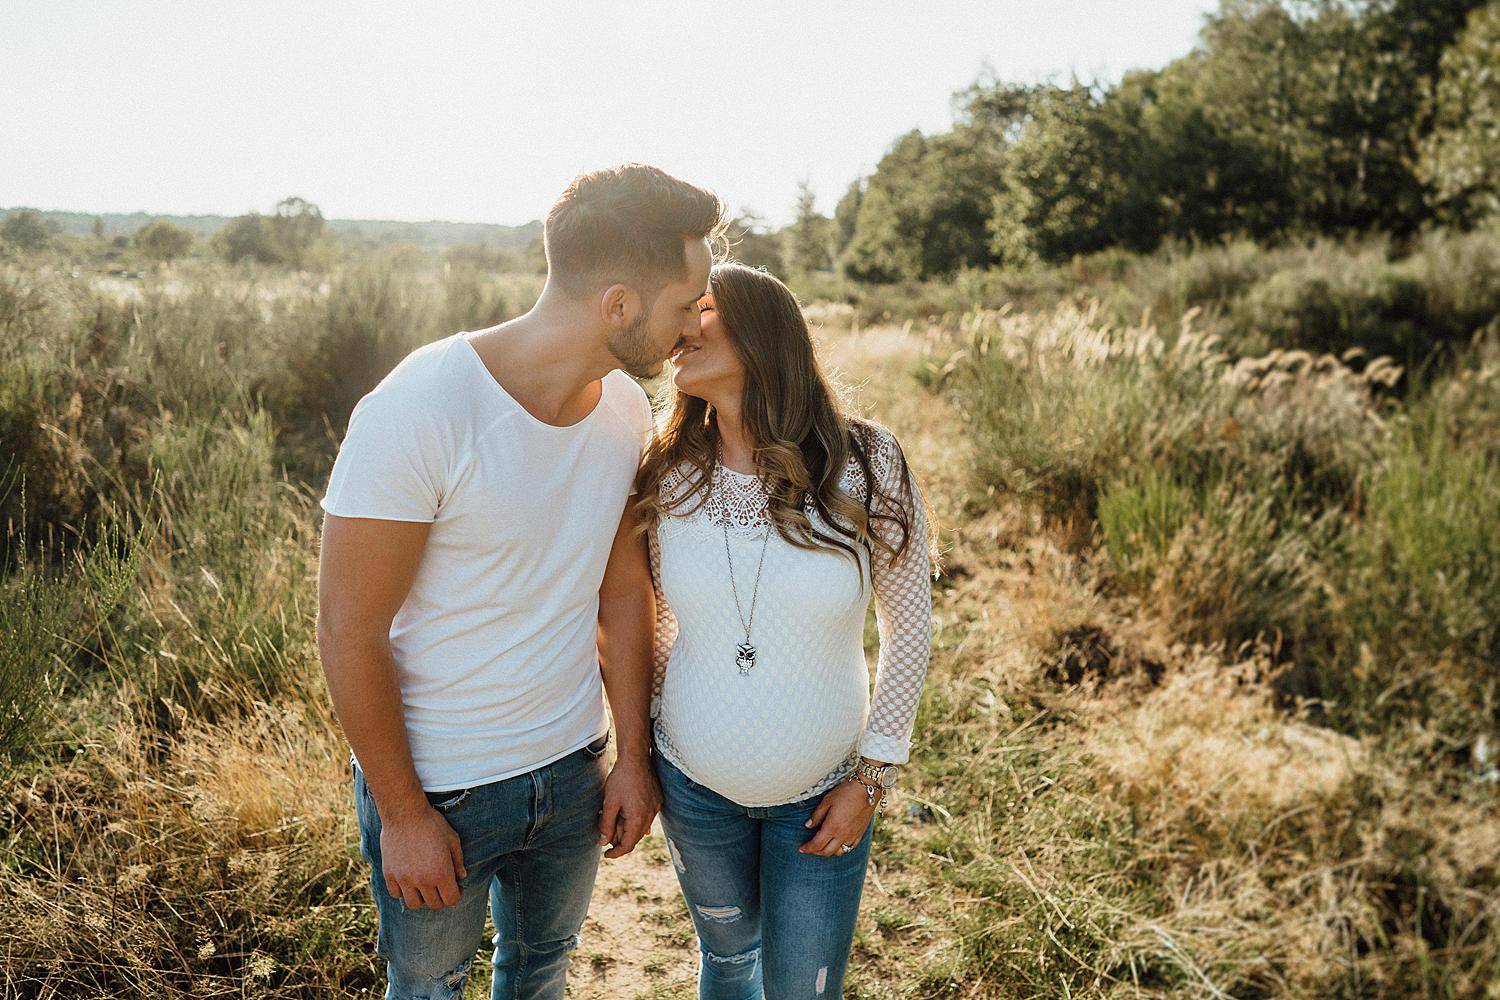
{"points": [[49, 615], [1418, 596], [1231, 561], [1380, 310], [161, 240], [1283, 498]]}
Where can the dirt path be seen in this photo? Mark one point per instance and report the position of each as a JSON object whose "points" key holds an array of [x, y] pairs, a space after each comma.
{"points": [[638, 941]]}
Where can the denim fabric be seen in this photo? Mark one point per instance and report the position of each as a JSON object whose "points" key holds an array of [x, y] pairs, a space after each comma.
{"points": [[531, 848], [768, 918]]}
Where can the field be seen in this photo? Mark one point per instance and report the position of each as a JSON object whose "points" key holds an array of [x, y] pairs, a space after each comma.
{"points": [[1215, 692]]}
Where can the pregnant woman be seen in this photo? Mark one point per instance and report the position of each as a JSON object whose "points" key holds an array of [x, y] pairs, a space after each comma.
{"points": [[773, 516]]}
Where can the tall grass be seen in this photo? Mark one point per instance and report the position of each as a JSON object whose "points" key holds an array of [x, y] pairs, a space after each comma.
{"points": [[1205, 529], [53, 616], [1287, 498], [178, 822]]}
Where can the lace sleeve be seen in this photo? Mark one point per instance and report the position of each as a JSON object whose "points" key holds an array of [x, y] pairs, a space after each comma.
{"points": [[903, 614], [664, 633]]}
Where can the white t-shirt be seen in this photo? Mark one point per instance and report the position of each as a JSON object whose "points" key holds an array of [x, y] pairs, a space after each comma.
{"points": [[495, 643]]}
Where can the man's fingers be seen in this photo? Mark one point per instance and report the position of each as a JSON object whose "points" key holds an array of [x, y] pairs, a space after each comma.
{"points": [[630, 826], [393, 887], [608, 816], [628, 832], [448, 892], [412, 897], [430, 897], [620, 841], [456, 848]]}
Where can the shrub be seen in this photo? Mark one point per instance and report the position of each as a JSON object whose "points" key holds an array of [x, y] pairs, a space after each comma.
{"points": [[49, 614]]}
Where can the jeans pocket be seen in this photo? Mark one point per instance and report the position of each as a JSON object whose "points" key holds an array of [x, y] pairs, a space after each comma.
{"points": [[596, 749], [446, 802]]}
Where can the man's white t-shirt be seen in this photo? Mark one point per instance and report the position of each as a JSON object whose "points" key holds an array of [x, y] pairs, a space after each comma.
{"points": [[495, 644]]}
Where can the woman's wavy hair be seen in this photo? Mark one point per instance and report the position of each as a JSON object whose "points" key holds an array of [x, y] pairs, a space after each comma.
{"points": [[804, 436]]}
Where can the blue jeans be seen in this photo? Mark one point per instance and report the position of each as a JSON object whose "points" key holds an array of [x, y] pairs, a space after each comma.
{"points": [[531, 849], [768, 918]]}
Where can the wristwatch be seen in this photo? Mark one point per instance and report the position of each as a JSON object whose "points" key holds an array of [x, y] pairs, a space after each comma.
{"points": [[883, 776]]}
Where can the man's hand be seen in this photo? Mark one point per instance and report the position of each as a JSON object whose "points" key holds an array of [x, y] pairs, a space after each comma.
{"points": [[422, 860], [840, 818], [632, 799]]}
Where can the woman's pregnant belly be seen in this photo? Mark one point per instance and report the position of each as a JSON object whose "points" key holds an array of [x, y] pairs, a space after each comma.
{"points": [[762, 738]]}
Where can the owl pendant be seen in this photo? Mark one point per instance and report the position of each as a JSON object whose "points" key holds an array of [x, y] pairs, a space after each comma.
{"points": [[744, 657]]}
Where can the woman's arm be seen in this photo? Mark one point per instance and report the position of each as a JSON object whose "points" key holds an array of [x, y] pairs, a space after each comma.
{"points": [[903, 615], [903, 611]]}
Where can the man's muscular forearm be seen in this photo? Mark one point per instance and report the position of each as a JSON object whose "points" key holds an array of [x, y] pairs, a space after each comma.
{"points": [[362, 685], [625, 622]]}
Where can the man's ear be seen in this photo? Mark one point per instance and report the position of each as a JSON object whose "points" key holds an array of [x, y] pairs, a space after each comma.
{"points": [[619, 306]]}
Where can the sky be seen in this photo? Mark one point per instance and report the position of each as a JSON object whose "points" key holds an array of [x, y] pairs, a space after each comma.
{"points": [[481, 112]]}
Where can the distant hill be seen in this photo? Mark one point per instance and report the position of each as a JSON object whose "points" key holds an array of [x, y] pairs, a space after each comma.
{"points": [[431, 234]]}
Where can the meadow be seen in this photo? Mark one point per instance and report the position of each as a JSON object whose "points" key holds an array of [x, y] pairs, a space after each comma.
{"points": [[1214, 704]]}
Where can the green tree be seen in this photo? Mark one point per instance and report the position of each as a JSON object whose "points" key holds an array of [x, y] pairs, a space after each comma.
{"points": [[846, 214], [1329, 92], [162, 240], [886, 243], [287, 237], [1203, 181], [25, 230], [1460, 158], [250, 237], [297, 226], [754, 242], [807, 242], [1081, 175], [926, 207]]}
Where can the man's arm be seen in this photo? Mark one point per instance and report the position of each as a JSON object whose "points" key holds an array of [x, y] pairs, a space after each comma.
{"points": [[627, 613], [365, 570]]}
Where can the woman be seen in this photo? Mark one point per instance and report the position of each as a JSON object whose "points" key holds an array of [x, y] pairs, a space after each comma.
{"points": [[772, 517]]}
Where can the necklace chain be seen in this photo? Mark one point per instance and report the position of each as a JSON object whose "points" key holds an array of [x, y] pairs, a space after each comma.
{"points": [[746, 652]]}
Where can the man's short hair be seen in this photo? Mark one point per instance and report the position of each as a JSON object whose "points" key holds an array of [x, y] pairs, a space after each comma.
{"points": [[627, 224]]}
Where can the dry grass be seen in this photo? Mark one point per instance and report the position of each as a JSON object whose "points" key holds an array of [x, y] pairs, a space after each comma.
{"points": [[1098, 804]]}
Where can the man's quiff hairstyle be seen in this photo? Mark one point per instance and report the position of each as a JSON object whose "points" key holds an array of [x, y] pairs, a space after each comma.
{"points": [[627, 224]]}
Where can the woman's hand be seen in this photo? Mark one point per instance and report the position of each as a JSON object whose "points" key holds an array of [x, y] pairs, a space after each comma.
{"points": [[841, 818]]}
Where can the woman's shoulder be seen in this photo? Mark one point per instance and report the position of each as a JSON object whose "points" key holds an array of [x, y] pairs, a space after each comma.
{"points": [[881, 450]]}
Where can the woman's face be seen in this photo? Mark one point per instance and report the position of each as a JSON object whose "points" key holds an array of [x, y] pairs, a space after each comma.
{"points": [[706, 365]]}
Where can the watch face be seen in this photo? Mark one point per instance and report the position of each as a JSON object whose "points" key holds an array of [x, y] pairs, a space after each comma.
{"points": [[888, 775]]}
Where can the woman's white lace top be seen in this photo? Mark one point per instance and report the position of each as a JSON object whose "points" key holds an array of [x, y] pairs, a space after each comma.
{"points": [[797, 722]]}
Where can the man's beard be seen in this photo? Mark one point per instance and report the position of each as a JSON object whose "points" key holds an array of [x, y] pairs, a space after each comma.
{"points": [[635, 352]]}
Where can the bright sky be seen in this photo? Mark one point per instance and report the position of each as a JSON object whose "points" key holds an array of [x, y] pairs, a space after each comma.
{"points": [[482, 111]]}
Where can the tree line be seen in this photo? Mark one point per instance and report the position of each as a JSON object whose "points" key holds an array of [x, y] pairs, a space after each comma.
{"points": [[1289, 118]]}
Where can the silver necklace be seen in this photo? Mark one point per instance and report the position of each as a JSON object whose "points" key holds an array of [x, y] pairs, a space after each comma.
{"points": [[744, 653]]}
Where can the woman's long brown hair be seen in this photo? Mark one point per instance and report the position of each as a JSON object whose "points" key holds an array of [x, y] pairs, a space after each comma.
{"points": [[804, 438]]}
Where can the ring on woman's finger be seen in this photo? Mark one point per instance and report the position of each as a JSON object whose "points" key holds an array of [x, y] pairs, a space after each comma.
{"points": [[845, 848]]}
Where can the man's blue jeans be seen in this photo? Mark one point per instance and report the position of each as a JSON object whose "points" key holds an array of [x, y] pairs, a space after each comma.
{"points": [[768, 918], [531, 848]]}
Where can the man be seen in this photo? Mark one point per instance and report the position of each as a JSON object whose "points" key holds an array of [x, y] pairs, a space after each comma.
{"points": [[480, 595]]}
